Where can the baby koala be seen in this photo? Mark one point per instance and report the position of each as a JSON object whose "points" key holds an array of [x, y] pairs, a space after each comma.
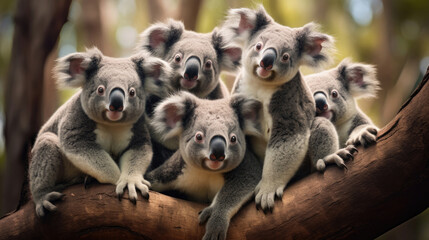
{"points": [[196, 58], [272, 56], [335, 92], [101, 126], [212, 163]]}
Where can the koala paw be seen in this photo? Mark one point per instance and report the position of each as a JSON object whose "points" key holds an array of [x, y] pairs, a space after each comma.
{"points": [[338, 158], [133, 182], [44, 204], [265, 194], [365, 137], [217, 225]]}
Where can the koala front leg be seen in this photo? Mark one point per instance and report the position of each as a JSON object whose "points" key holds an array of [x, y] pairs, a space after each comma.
{"points": [[133, 164], [364, 135], [162, 177], [284, 155], [237, 190], [45, 166], [324, 146]]}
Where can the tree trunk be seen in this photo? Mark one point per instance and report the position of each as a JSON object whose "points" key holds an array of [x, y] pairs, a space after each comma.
{"points": [[384, 186], [37, 26]]}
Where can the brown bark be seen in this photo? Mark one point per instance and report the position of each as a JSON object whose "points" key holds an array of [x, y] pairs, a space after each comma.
{"points": [[384, 186], [37, 26]]}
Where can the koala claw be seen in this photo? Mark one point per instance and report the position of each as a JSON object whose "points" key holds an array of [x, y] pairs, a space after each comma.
{"points": [[365, 137], [265, 196], [133, 182], [45, 204]]}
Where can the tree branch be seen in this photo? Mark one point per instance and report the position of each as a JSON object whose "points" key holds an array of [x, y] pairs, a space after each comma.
{"points": [[385, 185]]}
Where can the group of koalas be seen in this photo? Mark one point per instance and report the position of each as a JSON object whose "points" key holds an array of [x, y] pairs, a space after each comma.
{"points": [[162, 119]]}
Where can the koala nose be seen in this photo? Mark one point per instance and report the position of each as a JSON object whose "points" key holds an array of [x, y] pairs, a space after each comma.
{"points": [[217, 148], [116, 99], [192, 67], [268, 59], [321, 102]]}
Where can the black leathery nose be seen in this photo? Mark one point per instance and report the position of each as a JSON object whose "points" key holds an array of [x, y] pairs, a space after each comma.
{"points": [[192, 67], [217, 148], [116, 100], [268, 59], [321, 102]]}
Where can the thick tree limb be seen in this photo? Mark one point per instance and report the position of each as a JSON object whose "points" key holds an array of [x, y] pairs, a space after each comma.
{"points": [[385, 185]]}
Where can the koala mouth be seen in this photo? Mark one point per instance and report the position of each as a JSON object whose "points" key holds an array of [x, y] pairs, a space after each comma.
{"points": [[264, 74], [188, 83], [114, 115], [213, 165], [326, 114]]}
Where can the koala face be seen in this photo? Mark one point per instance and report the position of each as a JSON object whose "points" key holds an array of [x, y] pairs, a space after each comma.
{"points": [[211, 132], [197, 59], [335, 90], [273, 53], [114, 90]]}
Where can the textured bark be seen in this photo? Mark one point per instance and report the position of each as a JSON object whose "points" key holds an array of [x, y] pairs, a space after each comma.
{"points": [[384, 186], [37, 26]]}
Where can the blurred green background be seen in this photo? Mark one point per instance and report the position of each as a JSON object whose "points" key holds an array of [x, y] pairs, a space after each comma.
{"points": [[389, 34]]}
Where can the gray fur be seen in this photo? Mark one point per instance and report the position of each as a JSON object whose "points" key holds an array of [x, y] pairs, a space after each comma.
{"points": [[351, 81], [289, 108], [83, 137], [229, 185]]}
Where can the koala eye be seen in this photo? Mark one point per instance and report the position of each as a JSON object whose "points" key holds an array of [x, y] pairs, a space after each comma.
{"points": [[334, 93], [233, 138], [199, 137], [100, 90], [132, 92], [285, 57], [178, 58], [208, 64], [258, 46]]}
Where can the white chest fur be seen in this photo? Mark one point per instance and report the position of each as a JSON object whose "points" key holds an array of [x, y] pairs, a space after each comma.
{"points": [[343, 131], [252, 87], [198, 184], [113, 139]]}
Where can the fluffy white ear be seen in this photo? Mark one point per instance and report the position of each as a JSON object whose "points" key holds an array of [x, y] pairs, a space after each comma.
{"points": [[316, 47], [171, 115], [155, 73], [248, 111], [70, 70], [159, 37], [242, 23], [360, 78]]}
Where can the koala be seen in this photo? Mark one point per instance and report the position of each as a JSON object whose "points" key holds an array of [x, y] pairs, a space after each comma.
{"points": [[335, 92], [272, 55], [197, 60], [212, 162], [99, 132]]}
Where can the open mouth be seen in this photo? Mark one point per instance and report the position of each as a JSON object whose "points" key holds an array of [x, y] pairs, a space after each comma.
{"points": [[264, 74], [213, 165], [326, 114], [188, 83], [114, 115]]}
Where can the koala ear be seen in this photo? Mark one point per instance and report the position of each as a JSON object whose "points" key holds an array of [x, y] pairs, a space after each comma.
{"points": [[159, 37], [316, 48], [242, 24], [70, 70], [170, 115], [229, 57], [360, 78], [155, 74], [248, 111]]}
